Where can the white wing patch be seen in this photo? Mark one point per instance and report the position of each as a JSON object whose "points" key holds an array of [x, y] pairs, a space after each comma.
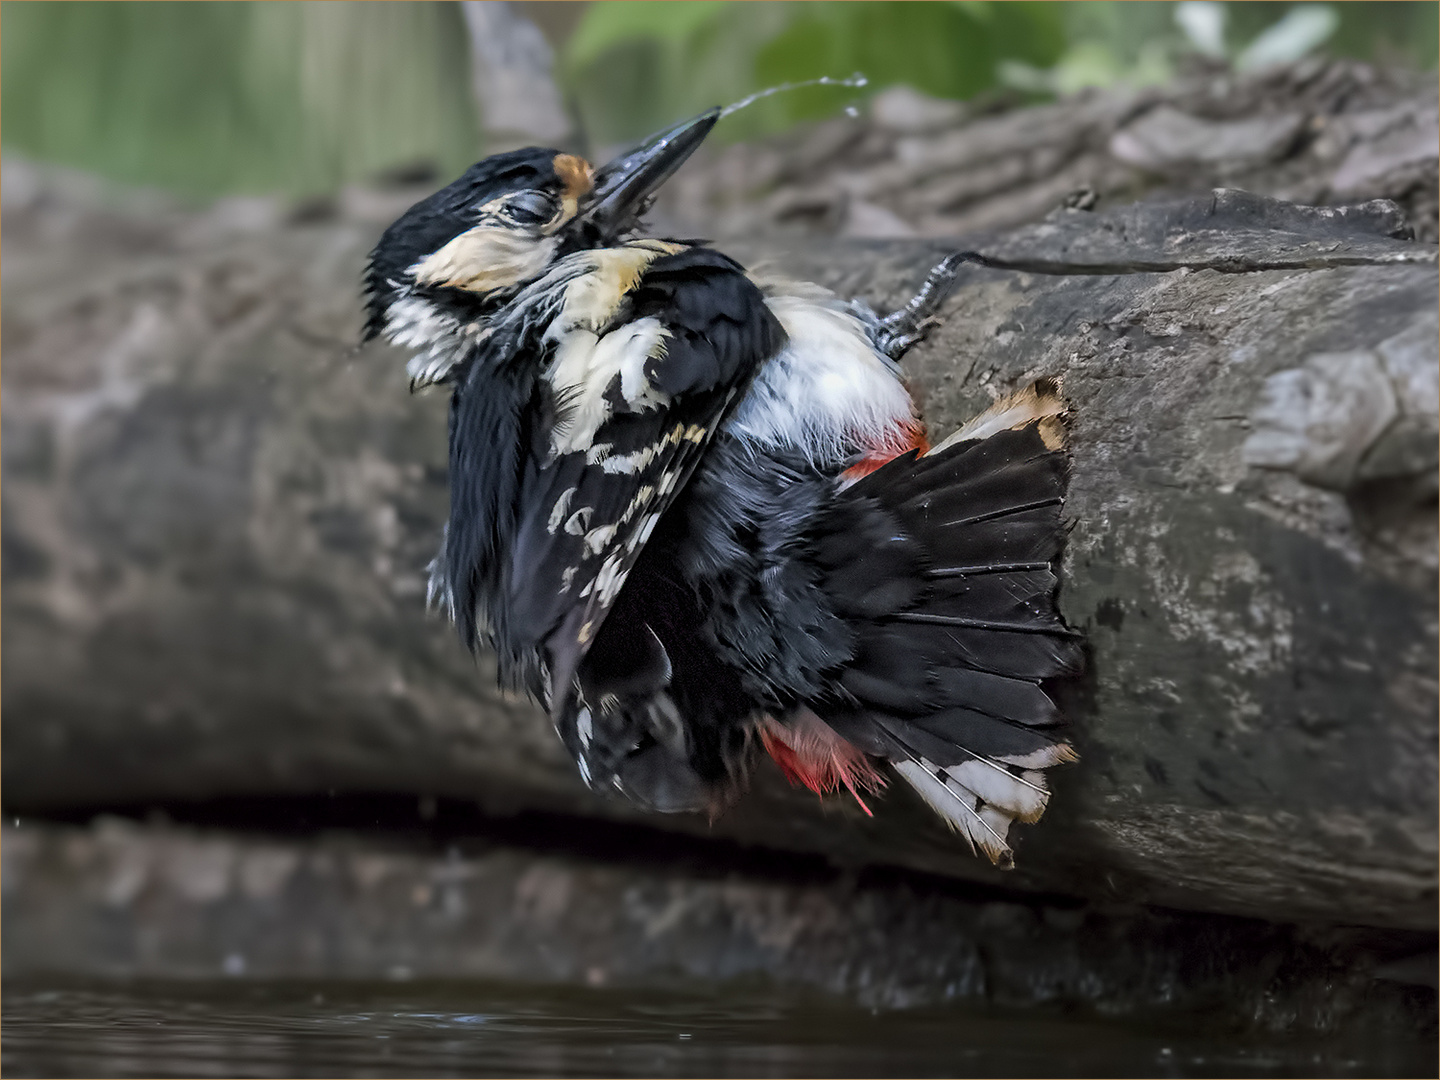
{"points": [[587, 364], [643, 536], [611, 578], [579, 521], [597, 538], [618, 543]]}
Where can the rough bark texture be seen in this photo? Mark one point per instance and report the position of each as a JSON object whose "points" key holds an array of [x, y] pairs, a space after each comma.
{"points": [[1323, 131], [217, 512]]}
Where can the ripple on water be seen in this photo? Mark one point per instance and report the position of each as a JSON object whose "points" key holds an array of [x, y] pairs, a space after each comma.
{"points": [[252, 1028]]}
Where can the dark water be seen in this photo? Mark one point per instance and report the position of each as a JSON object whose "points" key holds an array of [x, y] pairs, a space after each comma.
{"points": [[249, 1028]]}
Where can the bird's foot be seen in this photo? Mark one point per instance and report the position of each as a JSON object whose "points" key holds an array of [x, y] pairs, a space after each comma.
{"points": [[896, 333]]}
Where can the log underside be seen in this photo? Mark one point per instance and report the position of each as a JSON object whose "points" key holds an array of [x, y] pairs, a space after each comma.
{"points": [[217, 513], [122, 899]]}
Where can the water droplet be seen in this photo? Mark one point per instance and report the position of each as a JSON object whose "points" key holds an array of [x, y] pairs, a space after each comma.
{"points": [[855, 81]]}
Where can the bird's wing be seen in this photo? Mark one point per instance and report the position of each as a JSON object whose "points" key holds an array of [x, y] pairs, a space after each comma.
{"points": [[636, 408]]}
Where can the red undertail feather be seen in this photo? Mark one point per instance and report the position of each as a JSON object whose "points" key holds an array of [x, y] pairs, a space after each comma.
{"points": [[907, 436], [810, 753]]}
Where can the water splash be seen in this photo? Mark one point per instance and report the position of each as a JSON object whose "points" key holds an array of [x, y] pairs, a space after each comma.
{"points": [[857, 80]]}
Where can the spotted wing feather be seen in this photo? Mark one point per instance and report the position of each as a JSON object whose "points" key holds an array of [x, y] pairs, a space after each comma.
{"points": [[587, 515]]}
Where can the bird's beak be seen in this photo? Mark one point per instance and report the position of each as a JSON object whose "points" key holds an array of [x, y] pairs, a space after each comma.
{"points": [[624, 186]]}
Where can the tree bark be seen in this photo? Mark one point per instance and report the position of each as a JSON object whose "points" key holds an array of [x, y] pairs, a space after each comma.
{"points": [[1323, 131], [218, 511]]}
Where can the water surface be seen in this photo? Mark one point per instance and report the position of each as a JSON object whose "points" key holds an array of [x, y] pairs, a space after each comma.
{"points": [[252, 1028]]}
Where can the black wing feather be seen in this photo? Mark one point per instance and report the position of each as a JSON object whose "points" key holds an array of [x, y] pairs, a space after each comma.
{"points": [[489, 422], [563, 582]]}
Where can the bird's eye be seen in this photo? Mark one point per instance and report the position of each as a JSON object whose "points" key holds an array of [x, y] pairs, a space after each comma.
{"points": [[530, 208]]}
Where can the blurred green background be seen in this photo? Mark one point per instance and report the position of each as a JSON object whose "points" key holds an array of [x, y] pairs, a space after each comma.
{"points": [[301, 98]]}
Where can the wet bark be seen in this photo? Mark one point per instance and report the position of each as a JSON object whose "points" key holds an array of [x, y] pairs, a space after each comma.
{"points": [[217, 513]]}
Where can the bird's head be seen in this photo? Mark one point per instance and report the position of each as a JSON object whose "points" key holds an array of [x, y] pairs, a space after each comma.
{"points": [[459, 255]]}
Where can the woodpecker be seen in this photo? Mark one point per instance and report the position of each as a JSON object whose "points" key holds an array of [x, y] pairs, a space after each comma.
{"points": [[695, 514]]}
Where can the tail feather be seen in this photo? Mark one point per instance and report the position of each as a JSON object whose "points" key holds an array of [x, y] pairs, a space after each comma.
{"points": [[1023, 796], [942, 565], [1015, 654], [1039, 403], [929, 690], [1016, 700], [911, 671], [975, 486], [981, 825], [956, 735], [1023, 595], [1062, 753], [969, 733], [1028, 536]]}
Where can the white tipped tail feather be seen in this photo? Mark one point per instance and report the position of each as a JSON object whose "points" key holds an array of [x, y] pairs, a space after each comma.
{"points": [[981, 824], [980, 797]]}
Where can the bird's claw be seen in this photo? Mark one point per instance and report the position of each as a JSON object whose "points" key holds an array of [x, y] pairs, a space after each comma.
{"points": [[896, 345], [902, 329]]}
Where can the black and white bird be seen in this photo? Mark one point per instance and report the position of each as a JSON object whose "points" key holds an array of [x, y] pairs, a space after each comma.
{"points": [[695, 514]]}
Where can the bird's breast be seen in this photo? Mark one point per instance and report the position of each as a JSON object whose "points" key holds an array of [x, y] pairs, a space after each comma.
{"points": [[828, 393]]}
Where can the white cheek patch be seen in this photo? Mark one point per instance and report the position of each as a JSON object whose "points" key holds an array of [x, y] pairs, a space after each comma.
{"points": [[586, 365], [828, 393], [485, 259]]}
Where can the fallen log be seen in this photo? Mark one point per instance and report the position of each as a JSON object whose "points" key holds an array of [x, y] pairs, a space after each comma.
{"points": [[218, 511], [1323, 131]]}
